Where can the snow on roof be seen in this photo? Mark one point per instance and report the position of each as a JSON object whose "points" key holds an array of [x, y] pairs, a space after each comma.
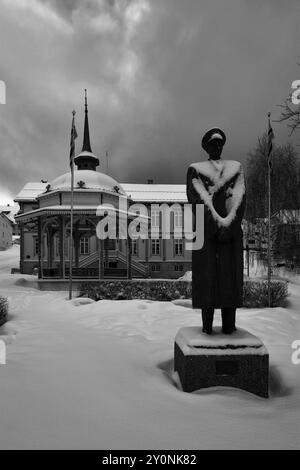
{"points": [[156, 192], [10, 211], [65, 209], [137, 192], [30, 192], [5, 216], [92, 180]]}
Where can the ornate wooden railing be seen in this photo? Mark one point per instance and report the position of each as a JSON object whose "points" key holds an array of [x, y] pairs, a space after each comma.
{"points": [[84, 273]]}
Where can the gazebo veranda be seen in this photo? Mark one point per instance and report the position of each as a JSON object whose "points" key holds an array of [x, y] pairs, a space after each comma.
{"points": [[93, 258]]}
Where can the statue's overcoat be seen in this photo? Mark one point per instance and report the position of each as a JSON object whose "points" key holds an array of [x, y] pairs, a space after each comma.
{"points": [[217, 269]]}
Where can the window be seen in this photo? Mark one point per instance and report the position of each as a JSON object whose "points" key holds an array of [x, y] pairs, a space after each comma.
{"points": [[84, 246], [155, 267], [35, 246], [178, 219], [57, 247], [178, 267], [134, 247], [155, 218], [178, 244], [155, 247]]}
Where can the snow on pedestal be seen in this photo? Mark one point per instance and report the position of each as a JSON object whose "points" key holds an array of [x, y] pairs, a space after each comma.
{"points": [[240, 360]]}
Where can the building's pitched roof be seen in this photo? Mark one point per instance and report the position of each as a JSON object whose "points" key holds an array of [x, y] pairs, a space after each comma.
{"points": [[10, 211], [138, 192], [65, 209], [30, 192], [5, 216], [156, 192]]}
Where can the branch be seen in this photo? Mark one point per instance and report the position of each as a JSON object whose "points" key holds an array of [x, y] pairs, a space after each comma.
{"points": [[291, 114]]}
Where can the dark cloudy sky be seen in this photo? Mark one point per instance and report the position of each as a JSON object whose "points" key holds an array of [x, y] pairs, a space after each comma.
{"points": [[158, 73]]}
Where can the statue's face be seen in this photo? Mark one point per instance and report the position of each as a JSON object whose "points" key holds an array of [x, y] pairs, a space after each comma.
{"points": [[215, 148]]}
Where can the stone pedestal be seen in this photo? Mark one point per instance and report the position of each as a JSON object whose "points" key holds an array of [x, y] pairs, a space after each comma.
{"points": [[239, 360]]}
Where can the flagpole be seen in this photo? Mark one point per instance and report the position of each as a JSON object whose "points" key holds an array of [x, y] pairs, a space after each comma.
{"points": [[269, 213], [269, 236], [71, 213]]}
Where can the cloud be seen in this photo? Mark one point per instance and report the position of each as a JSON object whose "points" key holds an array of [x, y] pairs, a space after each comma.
{"points": [[158, 73], [24, 11]]}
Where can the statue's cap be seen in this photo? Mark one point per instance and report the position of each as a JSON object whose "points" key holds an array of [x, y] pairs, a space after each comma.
{"points": [[211, 134]]}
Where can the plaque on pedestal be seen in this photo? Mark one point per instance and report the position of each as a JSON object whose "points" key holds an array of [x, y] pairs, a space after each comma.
{"points": [[240, 360]]}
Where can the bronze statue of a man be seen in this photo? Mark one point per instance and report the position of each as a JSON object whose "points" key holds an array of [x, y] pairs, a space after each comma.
{"points": [[217, 269]]}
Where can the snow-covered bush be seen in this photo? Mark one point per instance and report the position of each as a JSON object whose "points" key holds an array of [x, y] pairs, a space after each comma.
{"points": [[255, 292], [3, 309], [162, 290]]}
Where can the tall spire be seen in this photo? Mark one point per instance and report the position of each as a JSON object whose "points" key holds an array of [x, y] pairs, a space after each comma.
{"points": [[86, 146], [86, 160]]}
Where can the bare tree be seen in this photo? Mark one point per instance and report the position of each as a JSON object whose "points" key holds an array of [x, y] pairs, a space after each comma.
{"points": [[285, 197], [290, 113], [284, 181]]}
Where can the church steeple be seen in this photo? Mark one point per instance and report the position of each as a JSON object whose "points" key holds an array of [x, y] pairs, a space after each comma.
{"points": [[86, 146], [86, 160]]}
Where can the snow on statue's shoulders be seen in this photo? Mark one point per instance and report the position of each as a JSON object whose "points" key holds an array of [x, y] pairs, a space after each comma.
{"points": [[232, 166], [203, 167], [210, 168]]}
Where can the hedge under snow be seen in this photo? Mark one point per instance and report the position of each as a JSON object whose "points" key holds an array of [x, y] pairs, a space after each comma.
{"points": [[255, 291], [3, 309]]}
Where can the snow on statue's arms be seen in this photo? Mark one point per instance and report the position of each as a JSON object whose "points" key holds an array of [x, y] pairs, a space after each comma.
{"points": [[231, 170], [194, 198]]}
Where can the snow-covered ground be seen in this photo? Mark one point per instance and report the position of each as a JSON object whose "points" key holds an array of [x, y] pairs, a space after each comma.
{"points": [[99, 376]]}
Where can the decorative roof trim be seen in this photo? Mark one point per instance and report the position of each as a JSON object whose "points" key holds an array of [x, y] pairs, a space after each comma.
{"points": [[61, 210], [54, 211]]}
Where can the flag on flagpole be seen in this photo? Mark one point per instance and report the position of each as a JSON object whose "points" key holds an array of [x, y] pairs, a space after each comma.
{"points": [[74, 136], [270, 141], [270, 149], [72, 154]]}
